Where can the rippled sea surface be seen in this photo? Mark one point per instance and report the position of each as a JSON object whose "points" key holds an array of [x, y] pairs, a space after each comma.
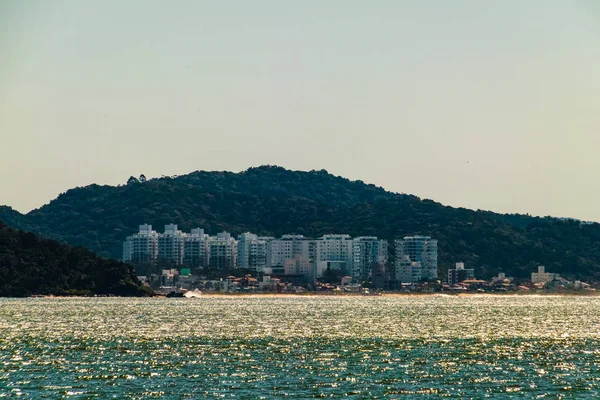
{"points": [[301, 347]]}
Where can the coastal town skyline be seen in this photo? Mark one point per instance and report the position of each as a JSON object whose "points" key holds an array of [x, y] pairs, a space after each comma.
{"points": [[416, 256], [294, 262]]}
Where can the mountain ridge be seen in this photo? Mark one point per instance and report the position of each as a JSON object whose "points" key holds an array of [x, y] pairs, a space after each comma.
{"points": [[272, 200]]}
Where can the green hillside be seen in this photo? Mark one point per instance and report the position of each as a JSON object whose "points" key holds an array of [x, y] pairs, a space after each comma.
{"points": [[31, 265], [273, 201]]}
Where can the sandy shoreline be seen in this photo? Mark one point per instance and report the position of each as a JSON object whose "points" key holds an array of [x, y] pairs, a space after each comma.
{"points": [[393, 295], [402, 295], [328, 295]]}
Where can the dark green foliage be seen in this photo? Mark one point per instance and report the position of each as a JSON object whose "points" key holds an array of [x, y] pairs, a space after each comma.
{"points": [[12, 217], [331, 276], [31, 265], [273, 201]]}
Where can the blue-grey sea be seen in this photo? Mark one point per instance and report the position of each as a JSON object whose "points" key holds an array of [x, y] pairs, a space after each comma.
{"points": [[301, 347]]}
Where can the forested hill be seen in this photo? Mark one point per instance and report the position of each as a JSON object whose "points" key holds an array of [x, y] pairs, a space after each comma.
{"points": [[31, 265], [273, 201]]}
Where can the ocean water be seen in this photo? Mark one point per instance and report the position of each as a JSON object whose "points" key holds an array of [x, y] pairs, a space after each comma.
{"points": [[301, 347]]}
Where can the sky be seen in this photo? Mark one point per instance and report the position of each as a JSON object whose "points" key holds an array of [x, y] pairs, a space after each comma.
{"points": [[489, 105]]}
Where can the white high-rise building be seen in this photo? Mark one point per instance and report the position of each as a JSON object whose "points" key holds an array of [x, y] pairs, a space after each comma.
{"points": [[196, 248], [335, 250], [288, 248], [142, 246], [350, 256], [422, 249], [267, 240], [367, 251], [300, 266], [223, 251], [170, 244], [252, 252], [408, 271]]}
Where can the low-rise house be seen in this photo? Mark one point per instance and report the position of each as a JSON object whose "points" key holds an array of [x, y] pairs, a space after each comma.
{"points": [[474, 284], [578, 285], [346, 280], [541, 276], [501, 278]]}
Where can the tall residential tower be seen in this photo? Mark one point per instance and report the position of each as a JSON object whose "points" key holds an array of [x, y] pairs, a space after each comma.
{"points": [[421, 249], [252, 252], [142, 246]]}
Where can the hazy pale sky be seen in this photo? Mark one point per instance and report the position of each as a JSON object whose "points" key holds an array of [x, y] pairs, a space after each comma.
{"points": [[482, 104]]}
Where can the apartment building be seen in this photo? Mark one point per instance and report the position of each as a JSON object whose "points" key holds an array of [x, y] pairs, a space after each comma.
{"points": [[300, 266], [142, 246], [252, 252], [196, 248], [289, 247], [408, 271], [421, 249], [459, 274], [170, 244], [367, 251], [335, 249], [222, 251]]}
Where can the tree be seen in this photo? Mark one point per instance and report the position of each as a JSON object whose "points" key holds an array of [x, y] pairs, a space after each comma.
{"points": [[332, 276], [32, 265]]}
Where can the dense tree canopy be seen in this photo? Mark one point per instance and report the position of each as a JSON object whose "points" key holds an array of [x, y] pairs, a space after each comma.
{"points": [[31, 265], [273, 201]]}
